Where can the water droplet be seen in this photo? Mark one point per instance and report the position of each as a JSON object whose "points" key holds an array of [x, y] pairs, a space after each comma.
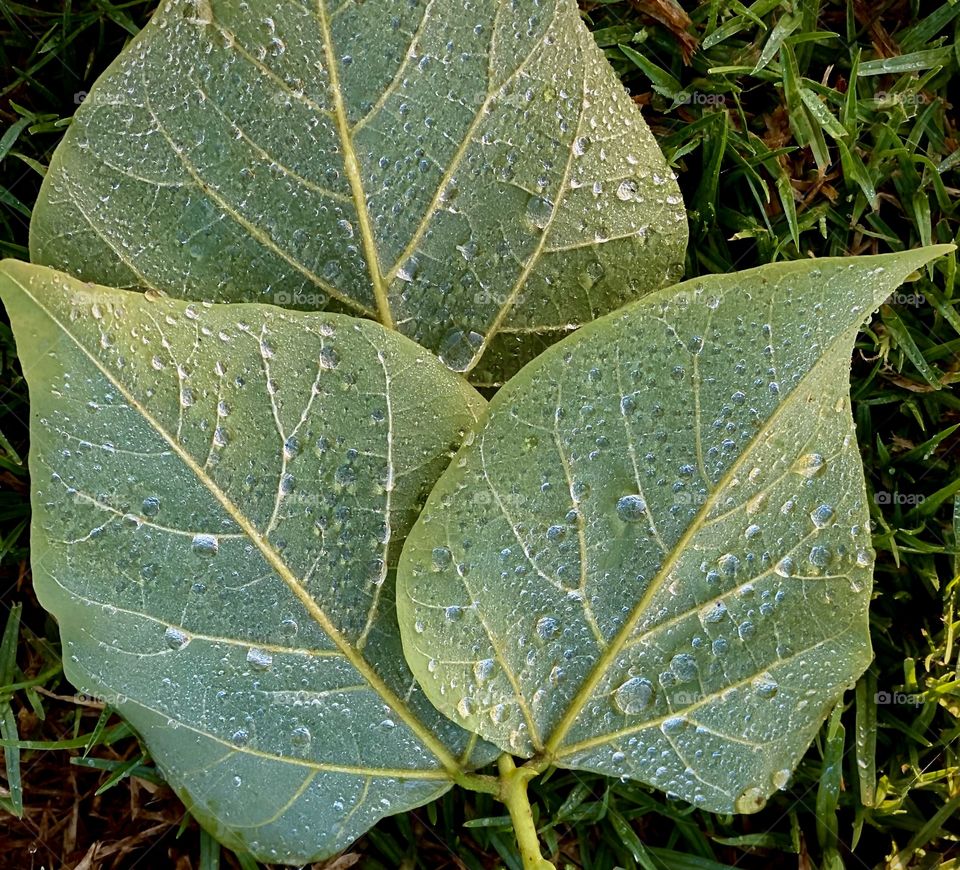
{"points": [[300, 736], [633, 696], [714, 612], [205, 545], [785, 567], [175, 638], [259, 659], [483, 670], [345, 475], [673, 725], [453, 613], [810, 465], [328, 358], [150, 506], [728, 563], [765, 686], [821, 515], [684, 666], [539, 211], [440, 558], [547, 627], [627, 190], [751, 800], [631, 508]]}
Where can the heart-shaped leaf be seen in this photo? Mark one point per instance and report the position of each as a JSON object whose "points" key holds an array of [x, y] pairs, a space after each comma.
{"points": [[654, 558], [219, 498], [474, 174]]}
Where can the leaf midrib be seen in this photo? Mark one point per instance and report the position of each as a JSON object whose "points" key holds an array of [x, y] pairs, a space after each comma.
{"points": [[352, 169], [612, 652], [270, 555]]}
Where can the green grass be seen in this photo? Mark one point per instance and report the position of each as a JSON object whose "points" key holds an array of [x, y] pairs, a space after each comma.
{"points": [[809, 130]]}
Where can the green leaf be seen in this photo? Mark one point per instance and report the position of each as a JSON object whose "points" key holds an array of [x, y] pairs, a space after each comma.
{"points": [[653, 560], [477, 178], [219, 498]]}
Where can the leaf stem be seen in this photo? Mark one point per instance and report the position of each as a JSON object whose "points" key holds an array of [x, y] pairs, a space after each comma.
{"points": [[513, 793]]}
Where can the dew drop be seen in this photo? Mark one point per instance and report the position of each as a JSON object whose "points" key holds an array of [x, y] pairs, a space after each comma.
{"points": [[440, 558], [483, 670], [633, 696], [175, 638], [627, 190], [728, 563], [539, 211], [714, 612], [765, 686], [684, 666], [673, 725], [259, 659], [205, 545], [821, 516], [810, 465], [631, 508], [300, 736], [751, 800], [547, 627], [785, 567]]}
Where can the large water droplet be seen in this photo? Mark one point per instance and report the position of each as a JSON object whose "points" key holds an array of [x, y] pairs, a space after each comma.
{"points": [[684, 666], [300, 736], [483, 670], [175, 638], [633, 696], [821, 516], [631, 508], [765, 686], [440, 558], [810, 465], [547, 627], [205, 545], [538, 212], [259, 659], [785, 567], [751, 800], [780, 778], [627, 190]]}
